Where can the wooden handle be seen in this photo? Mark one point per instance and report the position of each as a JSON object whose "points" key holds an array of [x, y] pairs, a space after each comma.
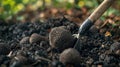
{"points": [[100, 10]]}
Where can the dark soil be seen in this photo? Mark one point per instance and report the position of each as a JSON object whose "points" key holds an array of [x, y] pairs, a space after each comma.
{"points": [[95, 48]]}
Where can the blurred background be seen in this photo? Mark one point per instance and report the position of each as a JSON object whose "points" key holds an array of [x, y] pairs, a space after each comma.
{"points": [[41, 10]]}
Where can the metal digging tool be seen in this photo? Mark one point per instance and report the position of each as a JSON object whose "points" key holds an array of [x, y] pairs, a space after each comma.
{"points": [[91, 20]]}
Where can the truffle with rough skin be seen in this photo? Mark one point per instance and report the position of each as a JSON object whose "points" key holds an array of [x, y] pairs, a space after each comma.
{"points": [[61, 38], [34, 38], [70, 56]]}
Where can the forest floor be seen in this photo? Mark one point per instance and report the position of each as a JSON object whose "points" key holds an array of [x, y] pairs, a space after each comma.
{"points": [[26, 42]]}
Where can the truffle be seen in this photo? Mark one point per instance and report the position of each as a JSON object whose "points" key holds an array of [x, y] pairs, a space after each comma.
{"points": [[34, 38], [61, 38], [70, 56]]}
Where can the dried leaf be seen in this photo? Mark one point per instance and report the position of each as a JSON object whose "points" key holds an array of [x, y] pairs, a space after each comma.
{"points": [[107, 34]]}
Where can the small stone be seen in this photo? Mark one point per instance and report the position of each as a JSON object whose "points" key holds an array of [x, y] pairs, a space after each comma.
{"points": [[90, 61], [61, 38], [99, 66], [103, 30], [24, 40], [102, 46], [115, 48], [4, 49], [21, 59], [70, 56], [118, 52], [34, 38]]}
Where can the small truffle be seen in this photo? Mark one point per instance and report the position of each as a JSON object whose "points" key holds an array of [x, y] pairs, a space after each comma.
{"points": [[70, 56], [61, 38], [36, 38], [24, 40]]}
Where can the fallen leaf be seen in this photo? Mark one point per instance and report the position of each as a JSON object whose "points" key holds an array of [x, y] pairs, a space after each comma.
{"points": [[107, 34]]}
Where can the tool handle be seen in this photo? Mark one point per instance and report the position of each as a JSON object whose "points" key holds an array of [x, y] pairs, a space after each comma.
{"points": [[94, 16], [100, 10]]}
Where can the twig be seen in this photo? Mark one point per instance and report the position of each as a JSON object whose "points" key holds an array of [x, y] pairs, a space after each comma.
{"points": [[42, 58]]}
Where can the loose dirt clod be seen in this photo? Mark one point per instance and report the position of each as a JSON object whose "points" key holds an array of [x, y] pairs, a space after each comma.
{"points": [[70, 56], [115, 48], [4, 49], [24, 40], [18, 61], [60, 38], [95, 48], [36, 38], [21, 59], [94, 29]]}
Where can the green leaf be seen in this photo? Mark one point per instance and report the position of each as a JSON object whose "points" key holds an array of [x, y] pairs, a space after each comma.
{"points": [[68, 5], [19, 1], [111, 11], [25, 1], [7, 7]]}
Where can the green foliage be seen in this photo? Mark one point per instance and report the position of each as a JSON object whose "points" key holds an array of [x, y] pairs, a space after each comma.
{"points": [[8, 8], [111, 11], [12, 7], [90, 3], [65, 3]]}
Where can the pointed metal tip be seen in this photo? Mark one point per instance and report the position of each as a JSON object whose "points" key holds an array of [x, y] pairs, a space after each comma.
{"points": [[85, 27]]}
